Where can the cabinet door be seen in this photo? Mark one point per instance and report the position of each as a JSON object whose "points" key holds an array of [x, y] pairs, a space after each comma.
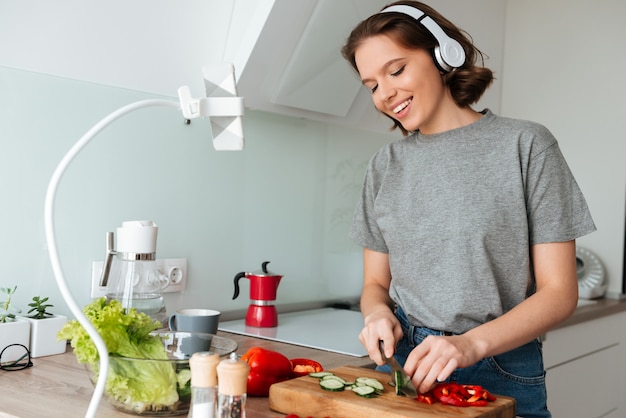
{"points": [[569, 343], [587, 387]]}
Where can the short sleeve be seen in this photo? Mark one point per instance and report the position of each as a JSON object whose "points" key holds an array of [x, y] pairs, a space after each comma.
{"points": [[557, 210]]}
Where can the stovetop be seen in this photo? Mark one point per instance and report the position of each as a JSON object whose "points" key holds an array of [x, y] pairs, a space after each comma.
{"points": [[328, 329]]}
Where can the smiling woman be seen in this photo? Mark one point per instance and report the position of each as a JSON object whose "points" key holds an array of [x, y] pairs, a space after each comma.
{"points": [[403, 83], [466, 214], [391, 43]]}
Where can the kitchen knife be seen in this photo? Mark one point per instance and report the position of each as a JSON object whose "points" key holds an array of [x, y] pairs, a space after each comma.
{"points": [[401, 380]]}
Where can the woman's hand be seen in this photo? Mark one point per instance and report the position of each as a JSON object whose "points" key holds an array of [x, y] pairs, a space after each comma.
{"points": [[555, 280], [381, 325], [377, 306], [435, 358]]}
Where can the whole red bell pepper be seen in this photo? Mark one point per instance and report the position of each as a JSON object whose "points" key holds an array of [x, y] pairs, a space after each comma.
{"points": [[266, 368]]}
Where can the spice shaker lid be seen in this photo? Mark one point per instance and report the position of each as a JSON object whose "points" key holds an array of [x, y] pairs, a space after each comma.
{"points": [[203, 367], [232, 375]]}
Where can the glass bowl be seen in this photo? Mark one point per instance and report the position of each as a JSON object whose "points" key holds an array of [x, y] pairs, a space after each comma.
{"points": [[142, 386]]}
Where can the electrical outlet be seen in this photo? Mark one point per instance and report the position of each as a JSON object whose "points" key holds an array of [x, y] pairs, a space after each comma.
{"points": [[174, 268]]}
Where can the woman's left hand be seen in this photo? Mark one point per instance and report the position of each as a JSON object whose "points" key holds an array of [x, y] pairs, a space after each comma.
{"points": [[435, 358], [554, 265]]}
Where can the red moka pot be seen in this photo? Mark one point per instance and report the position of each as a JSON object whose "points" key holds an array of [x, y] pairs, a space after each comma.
{"points": [[263, 286]]}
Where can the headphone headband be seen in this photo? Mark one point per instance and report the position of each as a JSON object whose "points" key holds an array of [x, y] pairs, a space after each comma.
{"points": [[449, 54]]}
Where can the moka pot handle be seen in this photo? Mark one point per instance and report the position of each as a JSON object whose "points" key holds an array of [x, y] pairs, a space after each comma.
{"points": [[236, 280]]}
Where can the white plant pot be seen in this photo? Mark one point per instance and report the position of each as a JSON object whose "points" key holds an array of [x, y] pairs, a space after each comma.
{"points": [[43, 336], [14, 332]]}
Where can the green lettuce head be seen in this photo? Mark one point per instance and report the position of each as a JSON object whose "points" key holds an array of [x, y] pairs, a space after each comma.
{"points": [[138, 385]]}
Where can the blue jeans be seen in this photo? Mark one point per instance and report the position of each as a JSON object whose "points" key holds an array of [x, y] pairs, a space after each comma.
{"points": [[518, 373]]}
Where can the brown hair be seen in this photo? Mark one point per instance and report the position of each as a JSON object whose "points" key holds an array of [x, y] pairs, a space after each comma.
{"points": [[466, 83]]}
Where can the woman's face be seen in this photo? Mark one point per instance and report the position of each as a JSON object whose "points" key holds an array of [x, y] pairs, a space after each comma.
{"points": [[405, 83]]}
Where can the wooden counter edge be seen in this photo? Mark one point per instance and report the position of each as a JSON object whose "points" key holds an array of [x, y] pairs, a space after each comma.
{"points": [[602, 307]]}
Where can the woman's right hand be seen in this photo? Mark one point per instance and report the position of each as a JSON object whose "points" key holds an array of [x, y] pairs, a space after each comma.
{"points": [[380, 325], [377, 307]]}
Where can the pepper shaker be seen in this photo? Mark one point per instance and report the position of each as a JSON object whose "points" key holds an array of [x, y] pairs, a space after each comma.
{"points": [[203, 367], [232, 375]]}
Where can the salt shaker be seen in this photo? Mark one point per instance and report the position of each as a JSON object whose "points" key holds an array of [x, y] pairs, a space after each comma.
{"points": [[232, 375], [203, 367]]}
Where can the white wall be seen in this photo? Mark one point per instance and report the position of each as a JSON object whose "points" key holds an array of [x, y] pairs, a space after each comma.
{"points": [[563, 67]]}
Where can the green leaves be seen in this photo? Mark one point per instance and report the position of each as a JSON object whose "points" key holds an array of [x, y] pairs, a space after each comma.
{"points": [[39, 306], [7, 312], [126, 335]]}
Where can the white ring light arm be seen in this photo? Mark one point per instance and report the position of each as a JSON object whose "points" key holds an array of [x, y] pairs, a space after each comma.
{"points": [[228, 111], [52, 248]]}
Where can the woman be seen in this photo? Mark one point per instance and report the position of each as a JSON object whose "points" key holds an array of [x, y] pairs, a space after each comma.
{"points": [[468, 223]]}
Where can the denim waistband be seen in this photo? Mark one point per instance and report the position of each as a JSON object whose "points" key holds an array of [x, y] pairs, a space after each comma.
{"points": [[412, 330]]}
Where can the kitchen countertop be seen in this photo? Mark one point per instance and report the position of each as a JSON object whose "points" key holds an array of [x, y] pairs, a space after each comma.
{"points": [[597, 308], [59, 386]]}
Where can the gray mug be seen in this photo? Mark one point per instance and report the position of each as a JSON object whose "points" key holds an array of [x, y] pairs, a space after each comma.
{"points": [[195, 320]]}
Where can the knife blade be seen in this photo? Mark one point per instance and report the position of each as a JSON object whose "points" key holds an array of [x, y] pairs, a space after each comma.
{"points": [[400, 379]]}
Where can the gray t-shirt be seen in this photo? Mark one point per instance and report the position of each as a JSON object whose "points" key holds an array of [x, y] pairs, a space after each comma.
{"points": [[457, 213]]}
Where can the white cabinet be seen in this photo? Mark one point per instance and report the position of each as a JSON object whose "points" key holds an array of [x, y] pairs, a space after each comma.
{"points": [[295, 67], [586, 365]]}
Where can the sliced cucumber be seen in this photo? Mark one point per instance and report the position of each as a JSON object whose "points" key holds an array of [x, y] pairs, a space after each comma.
{"points": [[335, 377], [362, 386], [332, 385], [374, 383], [320, 375], [398, 380], [365, 391]]}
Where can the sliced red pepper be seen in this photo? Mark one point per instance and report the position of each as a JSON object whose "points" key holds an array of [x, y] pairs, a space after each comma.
{"points": [[437, 391], [474, 398], [304, 366], [489, 397], [453, 400], [463, 392], [461, 395], [427, 398]]}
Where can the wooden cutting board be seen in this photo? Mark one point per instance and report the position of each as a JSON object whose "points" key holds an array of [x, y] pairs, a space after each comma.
{"points": [[304, 396]]}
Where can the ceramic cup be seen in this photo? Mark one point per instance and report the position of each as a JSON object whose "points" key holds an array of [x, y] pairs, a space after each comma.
{"points": [[195, 320]]}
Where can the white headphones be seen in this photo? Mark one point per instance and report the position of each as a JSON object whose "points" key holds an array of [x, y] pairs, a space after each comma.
{"points": [[449, 54]]}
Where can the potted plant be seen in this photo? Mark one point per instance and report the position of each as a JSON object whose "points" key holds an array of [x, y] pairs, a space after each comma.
{"points": [[13, 330], [44, 326]]}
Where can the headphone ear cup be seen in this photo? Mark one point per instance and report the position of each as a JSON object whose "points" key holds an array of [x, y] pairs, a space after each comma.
{"points": [[449, 54], [439, 62]]}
